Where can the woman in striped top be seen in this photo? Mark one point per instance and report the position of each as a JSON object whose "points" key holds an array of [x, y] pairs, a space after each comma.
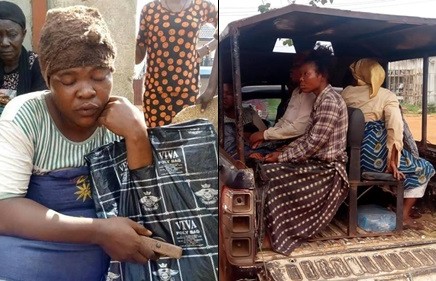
{"points": [[47, 216]]}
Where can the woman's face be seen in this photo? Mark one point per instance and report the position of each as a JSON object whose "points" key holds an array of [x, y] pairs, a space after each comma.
{"points": [[78, 96], [11, 40], [311, 80]]}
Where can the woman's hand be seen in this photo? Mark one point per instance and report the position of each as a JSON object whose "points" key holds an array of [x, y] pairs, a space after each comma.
{"points": [[392, 165], [4, 98], [122, 117], [121, 239], [126, 120], [272, 157], [256, 139], [205, 98], [393, 169], [203, 50]]}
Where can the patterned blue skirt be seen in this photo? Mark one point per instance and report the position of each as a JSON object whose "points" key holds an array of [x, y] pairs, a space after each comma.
{"points": [[374, 156]]}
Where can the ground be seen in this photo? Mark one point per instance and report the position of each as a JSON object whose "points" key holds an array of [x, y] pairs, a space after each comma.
{"points": [[415, 121]]}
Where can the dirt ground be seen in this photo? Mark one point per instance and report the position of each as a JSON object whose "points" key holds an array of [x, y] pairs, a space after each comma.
{"points": [[415, 124]]}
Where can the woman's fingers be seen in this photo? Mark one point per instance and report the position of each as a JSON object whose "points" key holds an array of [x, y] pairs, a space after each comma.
{"points": [[140, 258], [400, 175]]}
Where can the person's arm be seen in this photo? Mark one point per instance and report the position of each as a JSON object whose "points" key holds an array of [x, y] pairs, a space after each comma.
{"points": [[210, 16], [394, 126], [140, 49], [256, 139], [118, 236], [22, 217], [392, 166], [207, 48], [206, 97], [139, 53], [132, 127], [294, 121]]}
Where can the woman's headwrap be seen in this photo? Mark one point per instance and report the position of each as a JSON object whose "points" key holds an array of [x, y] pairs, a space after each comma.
{"points": [[75, 36], [12, 12], [368, 72]]}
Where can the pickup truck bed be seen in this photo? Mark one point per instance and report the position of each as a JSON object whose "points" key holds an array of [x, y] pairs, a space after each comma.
{"points": [[408, 256]]}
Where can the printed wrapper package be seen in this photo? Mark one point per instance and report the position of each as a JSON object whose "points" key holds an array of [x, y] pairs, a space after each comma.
{"points": [[176, 198]]}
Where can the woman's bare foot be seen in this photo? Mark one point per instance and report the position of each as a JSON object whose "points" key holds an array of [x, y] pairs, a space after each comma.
{"points": [[410, 223]]}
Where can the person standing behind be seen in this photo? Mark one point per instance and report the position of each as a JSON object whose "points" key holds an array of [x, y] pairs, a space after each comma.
{"points": [[19, 68], [168, 35]]}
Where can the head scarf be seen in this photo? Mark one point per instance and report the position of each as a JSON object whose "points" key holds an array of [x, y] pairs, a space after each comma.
{"points": [[10, 11], [75, 36], [368, 72]]}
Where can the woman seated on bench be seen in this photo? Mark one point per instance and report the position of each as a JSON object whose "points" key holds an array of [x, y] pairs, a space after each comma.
{"points": [[382, 147], [308, 180]]}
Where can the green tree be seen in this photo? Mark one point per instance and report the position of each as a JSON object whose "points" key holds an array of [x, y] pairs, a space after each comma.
{"points": [[315, 3], [264, 8]]}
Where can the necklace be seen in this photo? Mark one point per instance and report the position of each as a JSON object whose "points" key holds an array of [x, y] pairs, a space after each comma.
{"points": [[174, 10]]}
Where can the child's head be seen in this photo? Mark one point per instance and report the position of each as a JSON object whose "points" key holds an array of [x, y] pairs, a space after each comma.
{"points": [[75, 36], [228, 96]]}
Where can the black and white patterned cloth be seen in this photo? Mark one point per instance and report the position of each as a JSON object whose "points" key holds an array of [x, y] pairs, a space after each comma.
{"points": [[301, 200], [176, 198]]}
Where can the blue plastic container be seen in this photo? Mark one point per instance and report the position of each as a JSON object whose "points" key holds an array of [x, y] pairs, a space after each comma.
{"points": [[374, 218]]}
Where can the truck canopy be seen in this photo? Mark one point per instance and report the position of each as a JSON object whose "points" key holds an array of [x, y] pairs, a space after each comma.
{"points": [[352, 34]]}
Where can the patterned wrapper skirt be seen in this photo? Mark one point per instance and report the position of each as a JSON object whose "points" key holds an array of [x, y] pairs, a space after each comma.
{"points": [[301, 200], [374, 156]]}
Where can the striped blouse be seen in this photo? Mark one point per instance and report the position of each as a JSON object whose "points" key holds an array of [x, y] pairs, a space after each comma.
{"points": [[30, 143]]}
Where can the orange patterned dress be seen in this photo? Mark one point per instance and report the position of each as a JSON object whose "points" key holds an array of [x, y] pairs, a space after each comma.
{"points": [[172, 71]]}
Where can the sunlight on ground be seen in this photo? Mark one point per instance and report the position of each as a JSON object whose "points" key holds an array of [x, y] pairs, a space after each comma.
{"points": [[415, 124]]}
